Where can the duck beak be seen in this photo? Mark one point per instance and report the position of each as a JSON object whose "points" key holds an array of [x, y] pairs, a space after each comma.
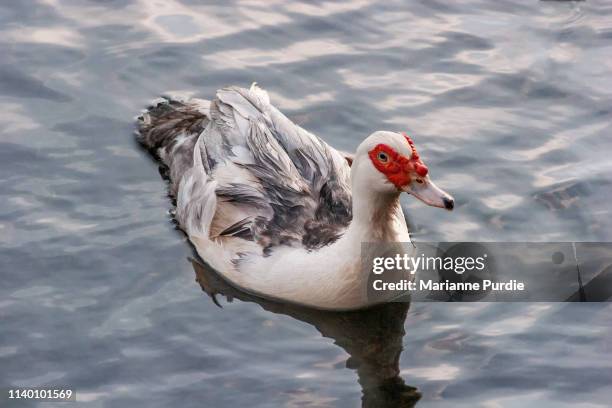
{"points": [[429, 193]]}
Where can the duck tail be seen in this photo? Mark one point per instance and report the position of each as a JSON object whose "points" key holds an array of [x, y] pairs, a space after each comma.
{"points": [[169, 129], [170, 120]]}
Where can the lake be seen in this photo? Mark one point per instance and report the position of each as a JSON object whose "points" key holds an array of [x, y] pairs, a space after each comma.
{"points": [[509, 103]]}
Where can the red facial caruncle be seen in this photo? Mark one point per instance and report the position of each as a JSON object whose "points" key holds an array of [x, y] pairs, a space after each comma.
{"points": [[398, 168]]}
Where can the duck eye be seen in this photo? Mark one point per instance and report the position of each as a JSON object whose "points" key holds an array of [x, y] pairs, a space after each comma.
{"points": [[420, 181], [382, 157]]}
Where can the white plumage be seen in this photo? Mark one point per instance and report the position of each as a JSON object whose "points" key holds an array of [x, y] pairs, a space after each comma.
{"points": [[273, 208]]}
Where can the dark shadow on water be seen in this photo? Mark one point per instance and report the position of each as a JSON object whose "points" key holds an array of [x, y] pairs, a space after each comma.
{"points": [[372, 338]]}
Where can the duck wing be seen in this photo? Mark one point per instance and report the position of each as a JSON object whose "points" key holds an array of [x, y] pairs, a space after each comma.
{"points": [[274, 182]]}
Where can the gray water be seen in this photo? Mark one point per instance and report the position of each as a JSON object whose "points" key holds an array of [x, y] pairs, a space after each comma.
{"points": [[508, 103]]}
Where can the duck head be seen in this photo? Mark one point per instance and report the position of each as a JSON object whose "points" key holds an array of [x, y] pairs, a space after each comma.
{"points": [[388, 162]]}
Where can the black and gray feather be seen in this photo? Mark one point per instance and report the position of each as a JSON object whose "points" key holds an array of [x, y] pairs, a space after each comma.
{"points": [[292, 187]]}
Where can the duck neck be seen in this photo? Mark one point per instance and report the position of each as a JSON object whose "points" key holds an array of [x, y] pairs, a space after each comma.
{"points": [[375, 215]]}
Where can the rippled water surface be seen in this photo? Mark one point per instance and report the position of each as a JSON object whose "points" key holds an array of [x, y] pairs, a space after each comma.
{"points": [[509, 103]]}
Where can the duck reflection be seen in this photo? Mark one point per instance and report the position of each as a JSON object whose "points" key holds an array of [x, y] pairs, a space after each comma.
{"points": [[372, 338]]}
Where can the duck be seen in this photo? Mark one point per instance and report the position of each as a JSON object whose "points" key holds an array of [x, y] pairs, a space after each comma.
{"points": [[274, 209]]}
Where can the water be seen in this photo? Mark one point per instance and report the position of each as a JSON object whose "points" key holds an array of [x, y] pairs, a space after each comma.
{"points": [[508, 102]]}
